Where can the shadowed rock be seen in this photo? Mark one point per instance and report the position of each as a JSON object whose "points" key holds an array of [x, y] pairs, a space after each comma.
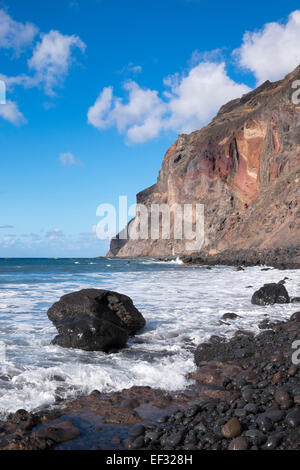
{"points": [[271, 294], [95, 320]]}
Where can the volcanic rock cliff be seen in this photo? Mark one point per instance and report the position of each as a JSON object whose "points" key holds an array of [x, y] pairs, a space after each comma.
{"points": [[244, 167]]}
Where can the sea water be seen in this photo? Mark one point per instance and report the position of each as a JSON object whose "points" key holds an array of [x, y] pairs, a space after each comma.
{"points": [[182, 306]]}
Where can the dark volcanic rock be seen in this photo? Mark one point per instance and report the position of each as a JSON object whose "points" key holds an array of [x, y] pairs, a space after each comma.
{"points": [[271, 294], [95, 320], [239, 443], [239, 405], [230, 316], [235, 405], [60, 432], [295, 317]]}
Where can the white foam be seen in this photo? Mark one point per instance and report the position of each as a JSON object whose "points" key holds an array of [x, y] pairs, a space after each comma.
{"points": [[182, 306]]}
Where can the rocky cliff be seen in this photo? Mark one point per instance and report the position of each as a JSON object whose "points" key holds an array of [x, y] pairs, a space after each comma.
{"points": [[244, 167]]}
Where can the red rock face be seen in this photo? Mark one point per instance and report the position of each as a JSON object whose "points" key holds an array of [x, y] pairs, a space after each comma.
{"points": [[244, 167]]}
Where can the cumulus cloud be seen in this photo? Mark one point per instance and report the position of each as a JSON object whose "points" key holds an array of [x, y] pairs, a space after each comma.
{"points": [[68, 159], [52, 58], [273, 51], [11, 113], [15, 35], [195, 98], [188, 102], [137, 115], [49, 65]]}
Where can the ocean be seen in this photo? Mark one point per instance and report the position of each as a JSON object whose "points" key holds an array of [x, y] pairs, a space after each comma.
{"points": [[182, 306]]}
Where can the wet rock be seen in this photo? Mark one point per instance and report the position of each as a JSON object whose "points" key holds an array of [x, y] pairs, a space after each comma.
{"points": [[256, 436], [278, 377], [138, 443], [16, 442], [271, 294], [293, 418], [215, 372], [273, 441], [275, 415], [130, 403], [265, 424], [95, 320], [60, 432], [230, 316], [251, 408], [281, 396], [137, 430], [174, 439], [242, 352], [22, 420], [239, 443], [295, 317], [292, 370]]}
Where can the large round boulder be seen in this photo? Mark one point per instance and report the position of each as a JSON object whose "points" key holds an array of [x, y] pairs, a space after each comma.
{"points": [[271, 294], [95, 320]]}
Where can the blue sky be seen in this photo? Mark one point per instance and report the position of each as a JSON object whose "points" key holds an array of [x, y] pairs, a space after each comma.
{"points": [[97, 90]]}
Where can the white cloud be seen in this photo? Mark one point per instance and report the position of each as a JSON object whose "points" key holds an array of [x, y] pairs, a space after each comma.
{"points": [[131, 69], [9, 241], [50, 63], [98, 113], [188, 102], [272, 52], [55, 234], [11, 113], [195, 98], [68, 159], [52, 58], [15, 35], [137, 117], [134, 68]]}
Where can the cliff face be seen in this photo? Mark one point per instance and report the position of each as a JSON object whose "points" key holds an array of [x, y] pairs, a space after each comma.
{"points": [[244, 167]]}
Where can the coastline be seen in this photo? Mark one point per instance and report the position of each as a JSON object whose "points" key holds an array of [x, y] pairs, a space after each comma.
{"points": [[248, 378], [280, 258]]}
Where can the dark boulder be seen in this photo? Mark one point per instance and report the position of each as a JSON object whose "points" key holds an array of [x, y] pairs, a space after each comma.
{"points": [[230, 316], [271, 294], [95, 320], [295, 317]]}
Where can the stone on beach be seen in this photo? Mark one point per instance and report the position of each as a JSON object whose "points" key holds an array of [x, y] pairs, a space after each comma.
{"points": [[231, 429], [271, 294], [95, 320]]}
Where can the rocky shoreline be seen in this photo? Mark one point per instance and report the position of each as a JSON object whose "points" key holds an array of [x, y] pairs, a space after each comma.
{"points": [[245, 394], [280, 258]]}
